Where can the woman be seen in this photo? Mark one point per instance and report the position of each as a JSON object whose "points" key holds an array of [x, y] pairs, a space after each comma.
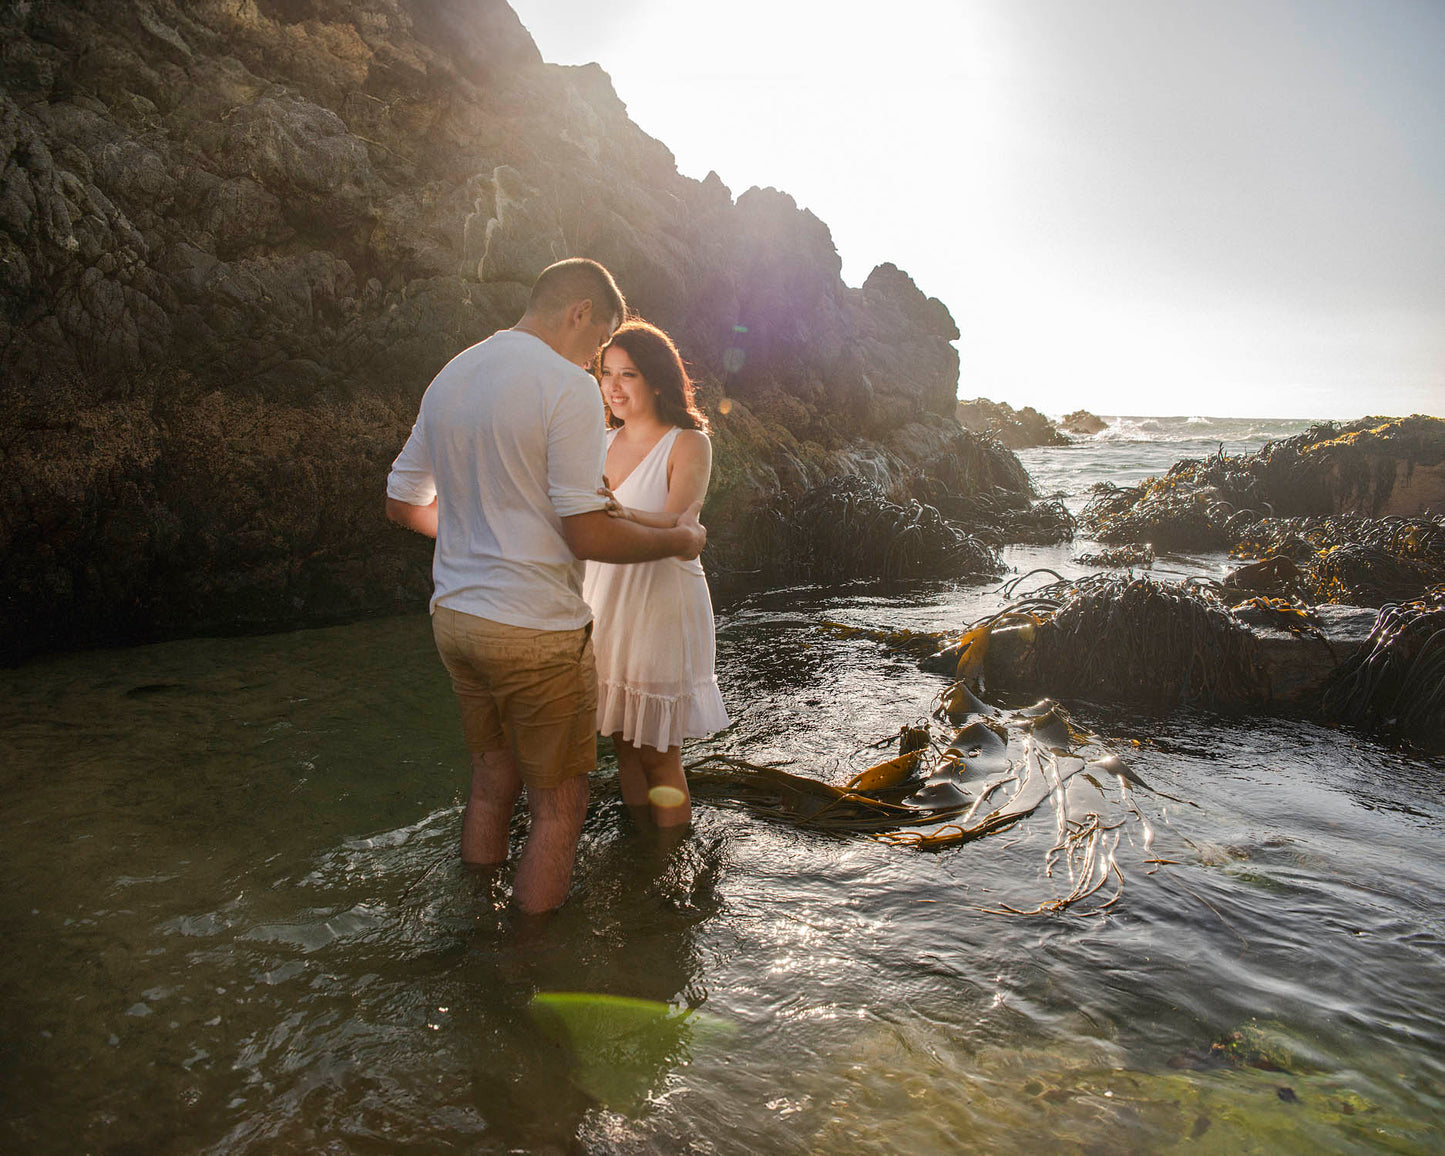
{"points": [[653, 631]]}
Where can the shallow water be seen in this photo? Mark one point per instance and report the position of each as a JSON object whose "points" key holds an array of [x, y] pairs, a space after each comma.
{"points": [[236, 925]]}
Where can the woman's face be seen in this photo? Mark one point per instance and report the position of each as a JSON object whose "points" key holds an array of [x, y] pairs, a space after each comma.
{"points": [[624, 389]]}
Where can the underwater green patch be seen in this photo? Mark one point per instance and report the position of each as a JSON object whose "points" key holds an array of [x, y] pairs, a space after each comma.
{"points": [[622, 1047]]}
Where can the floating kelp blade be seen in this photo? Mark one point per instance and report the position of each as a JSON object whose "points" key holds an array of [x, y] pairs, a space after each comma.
{"points": [[993, 773], [888, 773], [622, 1046], [918, 643], [777, 794], [958, 704]]}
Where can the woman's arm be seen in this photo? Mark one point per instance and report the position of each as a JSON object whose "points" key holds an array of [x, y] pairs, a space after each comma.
{"points": [[654, 518], [661, 519], [689, 466]]}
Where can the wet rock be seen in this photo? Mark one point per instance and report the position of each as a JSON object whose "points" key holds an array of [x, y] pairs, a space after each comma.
{"points": [[1107, 646], [1017, 429], [1371, 468], [1083, 423]]}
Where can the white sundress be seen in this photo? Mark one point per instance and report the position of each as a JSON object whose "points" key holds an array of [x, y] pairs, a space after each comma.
{"points": [[653, 633]]}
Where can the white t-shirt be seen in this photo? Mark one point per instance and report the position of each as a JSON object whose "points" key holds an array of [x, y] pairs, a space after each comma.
{"points": [[510, 440]]}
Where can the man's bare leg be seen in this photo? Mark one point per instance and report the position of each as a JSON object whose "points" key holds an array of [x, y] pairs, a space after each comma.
{"points": [[487, 819], [545, 871]]}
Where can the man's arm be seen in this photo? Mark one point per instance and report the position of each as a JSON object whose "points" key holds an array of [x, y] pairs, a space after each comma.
{"points": [[598, 537], [422, 519], [410, 483]]}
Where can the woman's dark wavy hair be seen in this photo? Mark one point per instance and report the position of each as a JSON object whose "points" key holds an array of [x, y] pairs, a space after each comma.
{"points": [[660, 364]]}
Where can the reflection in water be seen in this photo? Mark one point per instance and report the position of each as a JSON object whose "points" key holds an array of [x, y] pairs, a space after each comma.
{"points": [[446, 961], [236, 924]]}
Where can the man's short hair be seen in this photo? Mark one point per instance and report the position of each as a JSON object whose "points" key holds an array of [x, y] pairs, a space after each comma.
{"points": [[577, 279]]}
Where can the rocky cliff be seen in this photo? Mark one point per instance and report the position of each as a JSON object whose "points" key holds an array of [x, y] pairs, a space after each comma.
{"points": [[238, 237]]}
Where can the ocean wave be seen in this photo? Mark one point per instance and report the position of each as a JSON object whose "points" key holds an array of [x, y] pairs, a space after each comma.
{"points": [[1237, 434]]}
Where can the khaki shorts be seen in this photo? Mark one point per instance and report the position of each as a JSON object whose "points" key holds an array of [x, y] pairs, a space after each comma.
{"points": [[533, 692]]}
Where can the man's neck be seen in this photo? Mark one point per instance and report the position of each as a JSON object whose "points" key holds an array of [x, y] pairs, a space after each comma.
{"points": [[540, 330]]}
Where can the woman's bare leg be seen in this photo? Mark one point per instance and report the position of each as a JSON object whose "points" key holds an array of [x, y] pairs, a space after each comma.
{"points": [[654, 779], [632, 779], [667, 787]]}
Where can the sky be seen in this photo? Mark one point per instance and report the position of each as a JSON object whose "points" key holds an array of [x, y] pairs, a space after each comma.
{"points": [[1172, 207]]}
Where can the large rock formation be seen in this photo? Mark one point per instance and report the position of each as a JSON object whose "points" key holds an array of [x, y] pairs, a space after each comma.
{"points": [[1017, 429], [1371, 468], [237, 239]]}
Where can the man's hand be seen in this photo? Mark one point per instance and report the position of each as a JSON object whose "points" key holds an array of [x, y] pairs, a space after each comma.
{"points": [[697, 532]]}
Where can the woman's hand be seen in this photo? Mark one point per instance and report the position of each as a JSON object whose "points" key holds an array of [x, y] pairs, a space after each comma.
{"points": [[614, 508]]}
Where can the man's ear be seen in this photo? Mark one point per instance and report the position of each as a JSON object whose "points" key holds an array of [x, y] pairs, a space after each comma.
{"points": [[580, 313]]}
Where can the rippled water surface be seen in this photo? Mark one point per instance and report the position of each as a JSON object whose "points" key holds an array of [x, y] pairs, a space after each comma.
{"points": [[1134, 448], [235, 923]]}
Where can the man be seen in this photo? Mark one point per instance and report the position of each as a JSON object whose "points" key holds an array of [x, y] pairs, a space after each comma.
{"points": [[503, 469]]}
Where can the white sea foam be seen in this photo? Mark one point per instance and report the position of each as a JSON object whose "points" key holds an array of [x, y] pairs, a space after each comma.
{"points": [[1237, 434]]}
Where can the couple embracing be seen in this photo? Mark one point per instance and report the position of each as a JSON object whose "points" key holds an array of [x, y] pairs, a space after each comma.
{"points": [[562, 607]]}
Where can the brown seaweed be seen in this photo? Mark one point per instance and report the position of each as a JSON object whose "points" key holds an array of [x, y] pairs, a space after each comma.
{"points": [[1350, 559], [1212, 503], [1395, 684], [995, 771], [848, 529], [1148, 643]]}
